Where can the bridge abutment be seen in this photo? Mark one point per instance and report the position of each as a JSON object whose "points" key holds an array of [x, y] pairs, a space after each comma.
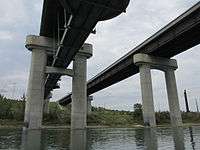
{"points": [[35, 92], [146, 63], [79, 88]]}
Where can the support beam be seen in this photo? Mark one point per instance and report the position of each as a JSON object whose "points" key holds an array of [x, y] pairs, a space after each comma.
{"points": [[79, 93], [61, 71], [35, 92]]}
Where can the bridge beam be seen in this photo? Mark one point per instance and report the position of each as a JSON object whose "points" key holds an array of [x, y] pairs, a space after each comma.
{"points": [[40, 46], [146, 63], [79, 88]]}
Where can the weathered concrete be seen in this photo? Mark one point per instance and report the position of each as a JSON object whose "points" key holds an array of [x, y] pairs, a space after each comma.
{"points": [[175, 113], [147, 95], [35, 92], [89, 105], [79, 93], [46, 104], [61, 71], [146, 63]]}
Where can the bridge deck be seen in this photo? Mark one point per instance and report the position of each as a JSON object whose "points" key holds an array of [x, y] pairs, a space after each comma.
{"points": [[70, 23], [175, 38]]}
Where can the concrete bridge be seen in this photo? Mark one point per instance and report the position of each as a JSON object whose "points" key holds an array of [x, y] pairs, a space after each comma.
{"points": [[176, 37], [64, 28]]}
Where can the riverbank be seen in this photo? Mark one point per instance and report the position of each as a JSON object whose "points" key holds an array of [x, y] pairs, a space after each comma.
{"points": [[12, 112]]}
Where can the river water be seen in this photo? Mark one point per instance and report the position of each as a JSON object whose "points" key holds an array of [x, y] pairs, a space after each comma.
{"points": [[102, 139]]}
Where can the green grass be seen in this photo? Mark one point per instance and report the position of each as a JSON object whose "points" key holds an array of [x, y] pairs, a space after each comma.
{"points": [[12, 113]]}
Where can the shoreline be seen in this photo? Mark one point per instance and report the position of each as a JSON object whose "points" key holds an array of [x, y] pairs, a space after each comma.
{"points": [[97, 126]]}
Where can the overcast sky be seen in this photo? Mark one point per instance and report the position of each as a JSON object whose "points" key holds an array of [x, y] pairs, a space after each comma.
{"points": [[114, 39]]}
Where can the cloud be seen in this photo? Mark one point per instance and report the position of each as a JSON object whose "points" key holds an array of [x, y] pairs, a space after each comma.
{"points": [[114, 39]]}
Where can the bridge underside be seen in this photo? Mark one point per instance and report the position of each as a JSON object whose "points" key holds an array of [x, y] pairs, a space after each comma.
{"points": [[70, 23], [177, 37]]}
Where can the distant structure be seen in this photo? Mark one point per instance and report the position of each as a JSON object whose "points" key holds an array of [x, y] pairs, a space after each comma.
{"points": [[186, 101], [197, 106]]}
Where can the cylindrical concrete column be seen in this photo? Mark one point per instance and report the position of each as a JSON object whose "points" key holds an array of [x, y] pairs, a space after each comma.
{"points": [[79, 88], [35, 91], [175, 113], [89, 105], [46, 106], [147, 95], [39, 46]]}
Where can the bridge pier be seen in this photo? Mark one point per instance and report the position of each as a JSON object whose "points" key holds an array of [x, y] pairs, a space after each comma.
{"points": [[35, 93], [146, 63], [89, 105], [147, 95], [46, 104], [79, 88], [175, 113]]}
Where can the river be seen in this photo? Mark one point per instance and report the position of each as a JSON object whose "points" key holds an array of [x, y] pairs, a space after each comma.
{"points": [[102, 139]]}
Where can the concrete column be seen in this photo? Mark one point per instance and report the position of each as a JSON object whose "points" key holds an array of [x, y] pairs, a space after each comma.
{"points": [[79, 88], [46, 106], [145, 63], [35, 91], [147, 95], [89, 105], [175, 113]]}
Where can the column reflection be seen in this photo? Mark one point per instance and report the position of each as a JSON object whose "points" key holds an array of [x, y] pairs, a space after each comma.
{"points": [[178, 137], [146, 138], [31, 140], [78, 139]]}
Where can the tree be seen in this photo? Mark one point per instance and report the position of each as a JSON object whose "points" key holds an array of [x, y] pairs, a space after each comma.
{"points": [[138, 112]]}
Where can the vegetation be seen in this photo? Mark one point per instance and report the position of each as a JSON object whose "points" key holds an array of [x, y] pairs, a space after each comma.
{"points": [[12, 113]]}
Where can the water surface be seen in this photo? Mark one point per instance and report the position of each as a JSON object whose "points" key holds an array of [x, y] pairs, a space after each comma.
{"points": [[102, 139]]}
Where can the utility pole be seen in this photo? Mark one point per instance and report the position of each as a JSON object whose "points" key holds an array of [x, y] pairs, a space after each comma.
{"points": [[186, 101], [197, 106]]}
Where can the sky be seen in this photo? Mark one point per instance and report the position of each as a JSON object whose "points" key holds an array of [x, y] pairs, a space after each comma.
{"points": [[114, 39]]}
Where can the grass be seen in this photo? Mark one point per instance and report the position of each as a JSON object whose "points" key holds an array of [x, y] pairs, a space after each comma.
{"points": [[12, 114]]}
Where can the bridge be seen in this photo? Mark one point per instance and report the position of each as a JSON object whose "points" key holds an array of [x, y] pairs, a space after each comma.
{"points": [[178, 36], [175, 38], [65, 26]]}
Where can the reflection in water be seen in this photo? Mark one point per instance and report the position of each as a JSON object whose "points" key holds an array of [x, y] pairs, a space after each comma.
{"points": [[99, 139], [150, 139], [31, 140], [147, 138], [192, 138], [178, 137], [78, 140]]}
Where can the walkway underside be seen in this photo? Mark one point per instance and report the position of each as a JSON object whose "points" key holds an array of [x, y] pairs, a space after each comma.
{"points": [[70, 22], [177, 37]]}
